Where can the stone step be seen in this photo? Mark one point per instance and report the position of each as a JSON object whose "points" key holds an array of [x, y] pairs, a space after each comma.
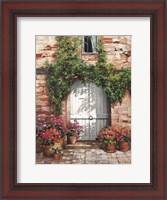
{"points": [[83, 145]]}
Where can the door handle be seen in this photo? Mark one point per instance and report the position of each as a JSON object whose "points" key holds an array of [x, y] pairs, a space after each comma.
{"points": [[90, 117]]}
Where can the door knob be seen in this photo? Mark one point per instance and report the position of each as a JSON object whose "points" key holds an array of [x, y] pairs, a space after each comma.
{"points": [[90, 117]]}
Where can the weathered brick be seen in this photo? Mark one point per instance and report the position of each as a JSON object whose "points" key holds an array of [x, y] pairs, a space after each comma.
{"points": [[45, 90], [44, 98], [46, 109], [38, 102], [38, 106], [46, 103], [41, 81], [116, 40], [38, 55], [123, 41], [43, 112], [39, 89], [53, 56], [107, 40], [48, 47], [39, 93], [42, 77], [41, 85]]}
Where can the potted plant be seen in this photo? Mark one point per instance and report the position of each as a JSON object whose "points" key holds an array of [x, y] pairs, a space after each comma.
{"points": [[52, 122], [57, 123], [56, 151], [50, 137], [123, 139], [48, 133], [73, 131], [107, 139]]}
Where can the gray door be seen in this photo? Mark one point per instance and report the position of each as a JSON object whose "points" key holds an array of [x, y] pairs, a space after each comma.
{"points": [[89, 106]]}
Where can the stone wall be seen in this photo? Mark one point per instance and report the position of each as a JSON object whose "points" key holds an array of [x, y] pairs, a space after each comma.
{"points": [[118, 51]]}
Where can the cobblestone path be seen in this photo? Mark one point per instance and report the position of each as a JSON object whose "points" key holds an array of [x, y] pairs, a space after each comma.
{"points": [[79, 154]]}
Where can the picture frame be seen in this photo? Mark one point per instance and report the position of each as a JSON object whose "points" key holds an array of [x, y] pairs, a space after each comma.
{"points": [[11, 189]]}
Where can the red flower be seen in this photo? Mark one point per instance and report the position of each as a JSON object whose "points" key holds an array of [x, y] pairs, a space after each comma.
{"points": [[106, 136]]}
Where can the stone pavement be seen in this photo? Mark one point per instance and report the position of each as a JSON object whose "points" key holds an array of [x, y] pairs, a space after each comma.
{"points": [[86, 153]]}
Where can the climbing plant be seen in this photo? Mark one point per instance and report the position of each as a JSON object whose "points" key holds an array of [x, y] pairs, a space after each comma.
{"points": [[69, 66]]}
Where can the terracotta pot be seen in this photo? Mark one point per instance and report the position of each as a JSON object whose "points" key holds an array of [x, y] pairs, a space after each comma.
{"points": [[72, 139], [111, 148], [39, 148], [57, 156], [124, 146], [46, 151]]}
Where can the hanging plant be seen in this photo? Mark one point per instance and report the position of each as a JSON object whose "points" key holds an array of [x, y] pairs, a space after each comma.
{"points": [[69, 66]]}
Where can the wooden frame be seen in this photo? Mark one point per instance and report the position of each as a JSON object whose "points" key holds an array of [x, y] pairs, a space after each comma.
{"points": [[12, 189]]}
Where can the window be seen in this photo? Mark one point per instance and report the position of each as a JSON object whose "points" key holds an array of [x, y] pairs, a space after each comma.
{"points": [[89, 44]]}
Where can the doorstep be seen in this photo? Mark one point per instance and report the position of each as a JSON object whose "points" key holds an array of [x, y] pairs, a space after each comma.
{"points": [[83, 145]]}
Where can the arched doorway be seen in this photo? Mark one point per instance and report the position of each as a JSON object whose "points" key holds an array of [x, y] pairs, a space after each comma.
{"points": [[90, 107]]}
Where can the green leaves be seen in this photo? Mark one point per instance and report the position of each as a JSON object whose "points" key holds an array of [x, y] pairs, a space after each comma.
{"points": [[69, 66]]}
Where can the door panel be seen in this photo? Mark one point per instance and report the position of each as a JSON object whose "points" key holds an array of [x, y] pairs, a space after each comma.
{"points": [[88, 105]]}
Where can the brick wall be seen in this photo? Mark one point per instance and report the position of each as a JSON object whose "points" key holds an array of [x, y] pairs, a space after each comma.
{"points": [[121, 113], [118, 51], [42, 99]]}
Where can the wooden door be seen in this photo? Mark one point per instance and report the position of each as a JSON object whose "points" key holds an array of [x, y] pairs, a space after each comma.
{"points": [[89, 106]]}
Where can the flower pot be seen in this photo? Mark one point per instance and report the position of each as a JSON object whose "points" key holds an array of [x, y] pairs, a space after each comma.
{"points": [[124, 146], [57, 156], [72, 139], [111, 148], [46, 151], [39, 148]]}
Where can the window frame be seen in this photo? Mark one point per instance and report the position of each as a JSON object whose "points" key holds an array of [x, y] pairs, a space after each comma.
{"points": [[82, 49]]}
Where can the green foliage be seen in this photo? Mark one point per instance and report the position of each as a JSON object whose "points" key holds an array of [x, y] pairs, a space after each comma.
{"points": [[69, 66]]}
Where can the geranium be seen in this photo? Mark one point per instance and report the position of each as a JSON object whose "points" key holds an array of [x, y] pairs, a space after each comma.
{"points": [[107, 136], [74, 129], [122, 135], [56, 123], [48, 136], [49, 131], [53, 122], [51, 136]]}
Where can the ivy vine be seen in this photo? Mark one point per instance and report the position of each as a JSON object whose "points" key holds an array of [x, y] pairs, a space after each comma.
{"points": [[69, 66]]}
